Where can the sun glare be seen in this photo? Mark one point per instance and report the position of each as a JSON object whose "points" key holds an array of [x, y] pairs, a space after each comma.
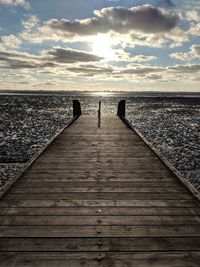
{"points": [[102, 46]]}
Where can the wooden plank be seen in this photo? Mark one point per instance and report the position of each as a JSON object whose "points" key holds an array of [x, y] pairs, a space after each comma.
{"points": [[94, 210], [64, 182], [79, 154], [96, 188], [102, 138], [99, 202], [100, 244], [63, 163], [158, 259], [87, 148], [114, 176], [83, 157], [63, 146], [100, 231], [107, 160], [100, 195], [100, 220], [92, 168]]}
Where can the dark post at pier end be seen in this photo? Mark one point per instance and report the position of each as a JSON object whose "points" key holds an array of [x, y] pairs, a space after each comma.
{"points": [[121, 108], [99, 115], [76, 108]]}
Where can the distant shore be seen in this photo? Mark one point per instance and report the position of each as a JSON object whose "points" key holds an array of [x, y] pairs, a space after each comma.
{"points": [[103, 93]]}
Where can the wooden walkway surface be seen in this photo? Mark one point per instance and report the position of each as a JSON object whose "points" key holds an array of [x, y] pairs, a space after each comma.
{"points": [[99, 197]]}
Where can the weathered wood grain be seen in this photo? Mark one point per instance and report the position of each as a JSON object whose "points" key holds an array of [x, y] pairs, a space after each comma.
{"points": [[97, 188], [99, 197], [156, 259], [106, 210], [99, 202], [100, 231], [100, 220], [143, 244]]}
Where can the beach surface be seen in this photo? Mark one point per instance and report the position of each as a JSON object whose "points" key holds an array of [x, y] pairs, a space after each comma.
{"points": [[170, 122]]}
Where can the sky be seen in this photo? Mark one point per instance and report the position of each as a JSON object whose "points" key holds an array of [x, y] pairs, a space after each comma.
{"points": [[100, 45]]}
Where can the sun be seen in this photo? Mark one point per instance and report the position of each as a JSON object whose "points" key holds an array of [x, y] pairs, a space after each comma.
{"points": [[102, 45]]}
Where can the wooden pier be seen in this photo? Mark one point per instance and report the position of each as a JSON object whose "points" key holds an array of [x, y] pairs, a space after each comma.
{"points": [[99, 196]]}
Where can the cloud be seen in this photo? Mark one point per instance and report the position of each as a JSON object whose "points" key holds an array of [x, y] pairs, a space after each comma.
{"points": [[10, 42], [15, 61], [91, 70], [121, 55], [14, 79], [48, 58], [137, 72], [63, 55], [59, 62], [160, 74], [185, 69], [140, 70], [194, 18], [176, 37], [144, 19], [142, 58], [194, 30], [30, 23], [192, 15], [194, 53], [22, 3], [140, 25], [145, 73]]}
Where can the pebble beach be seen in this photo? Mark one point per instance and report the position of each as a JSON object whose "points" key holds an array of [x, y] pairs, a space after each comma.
{"points": [[170, 124]]}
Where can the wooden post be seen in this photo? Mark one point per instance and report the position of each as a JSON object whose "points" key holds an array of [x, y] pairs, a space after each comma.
{"points": [[121, 108], [76, 108], [99, 115]]}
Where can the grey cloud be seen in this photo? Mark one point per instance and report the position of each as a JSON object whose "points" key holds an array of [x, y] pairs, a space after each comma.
{"points": [[44, 84], [15, 61], [91, 70], [141, 70], [146, 19], [158, 73], [177, 69], [62, 55], [188, 68], [56, 59], [20, 82], [18, 65], [196, 50], [155, 77], [22, 3], [193, 53], [48, 59]]}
